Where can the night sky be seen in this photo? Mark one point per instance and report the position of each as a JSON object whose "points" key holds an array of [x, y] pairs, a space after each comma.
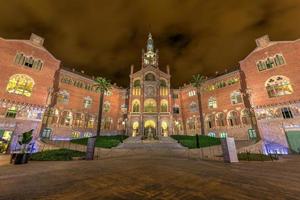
{"points": [[105, 37]]}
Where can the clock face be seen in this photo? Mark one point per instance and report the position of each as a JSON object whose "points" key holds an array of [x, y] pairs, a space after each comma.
{"points": [[150, 91]]}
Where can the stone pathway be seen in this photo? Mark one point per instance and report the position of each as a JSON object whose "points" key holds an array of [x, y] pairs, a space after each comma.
{"points": [[138, 143], [139, 178]]}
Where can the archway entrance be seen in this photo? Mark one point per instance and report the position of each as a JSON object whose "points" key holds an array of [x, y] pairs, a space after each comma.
{"points": [[164, 128], [149, 128], [135, 128]]}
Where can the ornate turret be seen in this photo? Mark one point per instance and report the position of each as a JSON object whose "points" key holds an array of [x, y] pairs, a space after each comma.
{"points": [[150, 57]]}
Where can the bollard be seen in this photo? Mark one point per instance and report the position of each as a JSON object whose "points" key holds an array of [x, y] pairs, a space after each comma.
{"points": [[197, 141]]}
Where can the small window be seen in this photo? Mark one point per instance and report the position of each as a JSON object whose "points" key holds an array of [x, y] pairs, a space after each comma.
{"points": [[11, 112], [223, 135], [252, 134], [212, 102], [287, 113], [63, 97], [192, 93], [193, 107], [236, 97], [87, 102], [175, 96], [46, 134], [106, 106], [211, 134], [75, 134], [176, 110], [164, 106]]}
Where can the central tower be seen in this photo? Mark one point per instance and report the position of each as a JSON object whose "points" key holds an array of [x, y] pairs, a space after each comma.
{"points": [[149, 99], [150, 57]]}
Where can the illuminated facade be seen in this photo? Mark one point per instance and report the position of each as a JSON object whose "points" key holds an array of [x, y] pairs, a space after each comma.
{"points": [[260, 99]]}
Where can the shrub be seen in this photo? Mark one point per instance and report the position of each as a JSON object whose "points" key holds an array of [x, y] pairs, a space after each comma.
{"points": [[56, 155], [103, 141], [256, 157], [190, 141]]}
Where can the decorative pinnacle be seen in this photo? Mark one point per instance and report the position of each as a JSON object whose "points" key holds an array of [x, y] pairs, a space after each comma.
{"points": [[150, 46]]}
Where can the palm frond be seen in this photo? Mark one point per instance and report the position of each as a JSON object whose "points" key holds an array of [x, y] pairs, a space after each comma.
{"points": [[102, 84], [198, 80]]}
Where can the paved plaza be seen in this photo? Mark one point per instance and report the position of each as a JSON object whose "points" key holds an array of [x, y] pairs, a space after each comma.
{"points": [[150, 178]]}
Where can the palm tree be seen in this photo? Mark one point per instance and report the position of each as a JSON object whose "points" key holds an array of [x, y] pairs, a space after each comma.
{"points": [[102, 85], [197, 81]]}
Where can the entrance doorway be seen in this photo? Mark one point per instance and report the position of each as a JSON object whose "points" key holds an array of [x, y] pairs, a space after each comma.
{"points": [[164, 128], [150, 128], [293, 138], [135, 128]]}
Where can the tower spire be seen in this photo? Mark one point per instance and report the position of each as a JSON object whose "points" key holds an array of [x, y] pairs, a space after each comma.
{"points": [[150, 45]]}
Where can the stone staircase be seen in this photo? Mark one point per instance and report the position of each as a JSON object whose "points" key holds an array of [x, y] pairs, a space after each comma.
{"points": [[138, 143]]}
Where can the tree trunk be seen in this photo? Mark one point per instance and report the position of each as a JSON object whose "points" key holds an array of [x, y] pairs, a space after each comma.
{"points": [[100, 113], [200, 111]]}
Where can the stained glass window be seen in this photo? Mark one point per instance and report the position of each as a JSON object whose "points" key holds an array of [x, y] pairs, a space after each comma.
{"points": [[20, 84], [278, 86]]}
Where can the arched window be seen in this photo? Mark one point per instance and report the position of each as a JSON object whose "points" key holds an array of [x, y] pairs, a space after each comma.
{"points": [[90, 121], [164, 106], [78, 119], [107, 123], [28, 61], [212, 102], [136, 105], [63, 97], [193, 107], [278, 86], [236, 97], [149, 77], [67, 118], [233, 118], [150, 105], [270, 62], [220, 119], [106, 106], [177, 126], [191, 123], [55, 116], [136, 87], [210, 121], [20, 84], [163, 88], [245, 117]]}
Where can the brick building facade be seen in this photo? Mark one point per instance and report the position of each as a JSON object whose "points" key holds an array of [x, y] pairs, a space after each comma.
{"points": [[260, 99]]}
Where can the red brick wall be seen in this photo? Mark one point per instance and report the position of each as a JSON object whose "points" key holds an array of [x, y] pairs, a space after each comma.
{"points": [[44, 78], [222, 95], [256, 80]]}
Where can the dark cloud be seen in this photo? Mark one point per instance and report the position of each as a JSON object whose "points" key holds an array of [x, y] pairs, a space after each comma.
{"points": [[193, 36]]}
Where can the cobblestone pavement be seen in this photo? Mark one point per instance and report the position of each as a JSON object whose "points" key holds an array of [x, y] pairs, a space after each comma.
{"points": [[151, 178]]}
